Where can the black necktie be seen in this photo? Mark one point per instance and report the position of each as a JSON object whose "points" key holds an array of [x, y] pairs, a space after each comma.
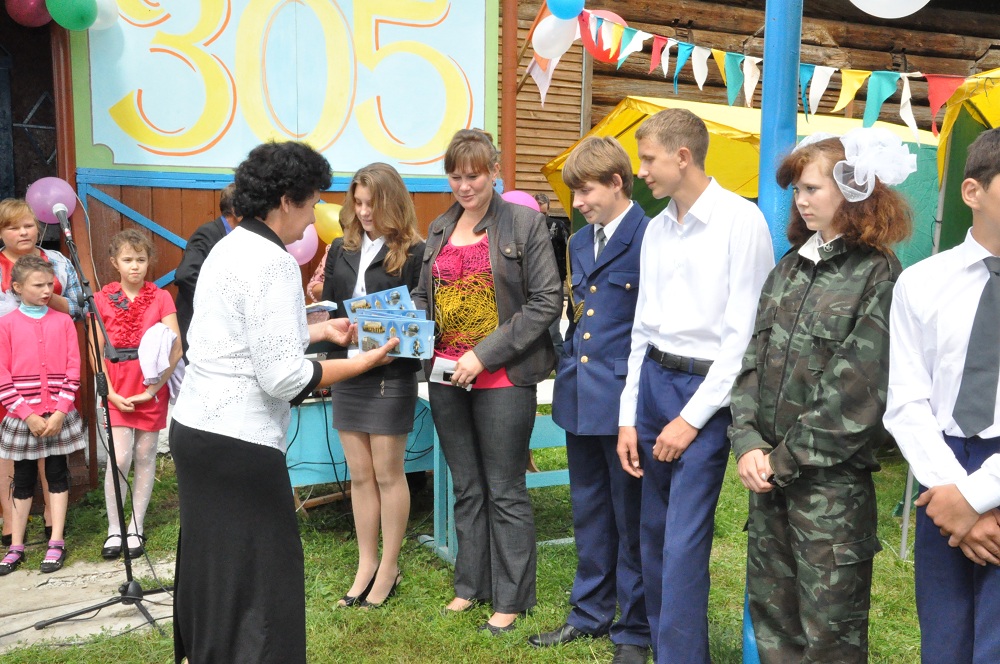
{"points": [[977, 394], [601, 239]]}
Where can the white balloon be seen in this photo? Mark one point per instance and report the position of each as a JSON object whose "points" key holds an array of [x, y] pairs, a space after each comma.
{"points": [[553, 36], [889, 8], [107, 14]]}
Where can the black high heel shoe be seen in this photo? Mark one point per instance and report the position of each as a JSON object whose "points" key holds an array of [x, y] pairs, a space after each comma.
{"points": [[348, 601], [365, 604]]}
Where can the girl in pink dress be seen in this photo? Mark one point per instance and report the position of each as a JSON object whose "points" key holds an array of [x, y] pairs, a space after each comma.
{"points": [[39, 377], [138, 411]]}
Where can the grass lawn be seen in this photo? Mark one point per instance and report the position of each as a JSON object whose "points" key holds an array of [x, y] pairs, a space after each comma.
{"points": [[411, 627]]}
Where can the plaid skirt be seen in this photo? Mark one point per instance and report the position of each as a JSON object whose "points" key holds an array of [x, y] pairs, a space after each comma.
{"points": [[18, 443]]}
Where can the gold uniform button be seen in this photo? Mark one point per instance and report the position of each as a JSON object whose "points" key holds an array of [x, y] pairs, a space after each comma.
{"points": [[507, 250], [590, 312], [593, 289], [584, 359], [628, 286], [586, 335]]}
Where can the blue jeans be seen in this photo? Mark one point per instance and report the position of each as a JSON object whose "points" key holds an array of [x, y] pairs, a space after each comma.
{"points": [[484, 435]]}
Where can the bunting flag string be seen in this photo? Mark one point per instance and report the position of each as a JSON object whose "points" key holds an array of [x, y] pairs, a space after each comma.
{"points": [[751, 76], [852, 80], [684, 51], [734, 75], [661, 49], [805, 75], [939, 88], [699, 65], [820, 82], [881, 86], [613, 43]]}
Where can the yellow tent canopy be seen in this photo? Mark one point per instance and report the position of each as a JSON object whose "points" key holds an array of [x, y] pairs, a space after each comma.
{"points": [[974, 97], [734, 148]]}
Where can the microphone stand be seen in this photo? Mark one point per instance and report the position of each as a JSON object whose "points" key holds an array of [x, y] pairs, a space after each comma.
{"points": [[131, 591]]}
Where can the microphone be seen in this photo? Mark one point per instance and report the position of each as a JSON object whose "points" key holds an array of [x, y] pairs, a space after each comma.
{"points": [[61, 211]]}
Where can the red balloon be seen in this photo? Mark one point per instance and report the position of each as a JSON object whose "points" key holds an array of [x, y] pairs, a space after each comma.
{"points": [[29, 13], [599, 50]]}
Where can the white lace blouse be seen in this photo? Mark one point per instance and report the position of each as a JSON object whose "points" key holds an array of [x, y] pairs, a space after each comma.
{"points": [[247, 337]]}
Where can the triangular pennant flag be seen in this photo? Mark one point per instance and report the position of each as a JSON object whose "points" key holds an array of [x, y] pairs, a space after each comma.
{"points": [[939, 88], [684, 51], [820, 82], [720, 62], [881, 86], [543, 77], [805, 75], [906, 106], [659, 43], [632, 41], [851, 82], [699, 64], [751, 76], [616, 38], [734, 76]]}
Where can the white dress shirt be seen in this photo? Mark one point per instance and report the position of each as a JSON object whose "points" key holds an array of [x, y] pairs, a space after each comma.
{"points": [[369, 249], [698, 290], [933, 305], [247, 339], [609, 228]]}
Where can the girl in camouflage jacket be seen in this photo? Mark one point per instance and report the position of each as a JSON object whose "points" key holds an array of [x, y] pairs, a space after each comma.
{"points": [[808, 402]]}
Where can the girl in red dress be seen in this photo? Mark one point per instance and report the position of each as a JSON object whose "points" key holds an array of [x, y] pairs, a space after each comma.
{"points": [[138, 411]]}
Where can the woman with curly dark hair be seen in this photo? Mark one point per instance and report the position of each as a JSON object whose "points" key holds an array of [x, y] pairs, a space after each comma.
{"points": [[808, 402], [240, 586]]}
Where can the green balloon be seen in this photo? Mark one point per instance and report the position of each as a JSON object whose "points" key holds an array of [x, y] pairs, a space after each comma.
{"points": [[73, 14]]}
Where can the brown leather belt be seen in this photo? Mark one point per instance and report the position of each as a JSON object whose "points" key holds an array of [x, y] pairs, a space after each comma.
{"points": [[678, 363]]}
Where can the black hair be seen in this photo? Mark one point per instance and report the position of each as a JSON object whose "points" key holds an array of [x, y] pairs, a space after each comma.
{"points": [[273, 170], [983, 161]]}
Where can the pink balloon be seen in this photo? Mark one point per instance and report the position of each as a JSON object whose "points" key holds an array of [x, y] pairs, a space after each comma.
{"points": [[521, 198], [303, 250], [29, 13], [46, 192]]}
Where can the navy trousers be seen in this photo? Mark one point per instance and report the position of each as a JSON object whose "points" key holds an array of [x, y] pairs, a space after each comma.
{"points": [[678, 516], [606, 503], [957, 600]]}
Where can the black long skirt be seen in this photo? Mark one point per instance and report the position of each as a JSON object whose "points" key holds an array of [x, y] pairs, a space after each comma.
{"points": [[240, 582]]}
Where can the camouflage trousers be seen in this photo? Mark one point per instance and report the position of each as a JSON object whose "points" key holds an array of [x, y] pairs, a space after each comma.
{"points": [[809, 567]]}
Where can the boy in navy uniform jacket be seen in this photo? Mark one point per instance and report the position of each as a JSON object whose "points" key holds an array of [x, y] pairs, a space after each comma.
{"points": [[604, 274]]}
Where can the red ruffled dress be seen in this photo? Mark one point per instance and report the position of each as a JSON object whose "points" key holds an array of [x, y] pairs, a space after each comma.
{"points": [[126, 321]]}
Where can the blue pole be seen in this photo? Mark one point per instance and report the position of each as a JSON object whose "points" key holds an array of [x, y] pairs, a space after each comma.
{"points": [[779, 110], [778, 117]]}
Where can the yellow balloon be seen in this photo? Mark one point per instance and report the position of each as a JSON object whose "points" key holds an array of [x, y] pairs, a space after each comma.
{"points": [[328, 222]]}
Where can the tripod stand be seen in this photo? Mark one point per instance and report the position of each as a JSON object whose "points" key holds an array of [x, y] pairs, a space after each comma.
{"points": [[130, 592]]}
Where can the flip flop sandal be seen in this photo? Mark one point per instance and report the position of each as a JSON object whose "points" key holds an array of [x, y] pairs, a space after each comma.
{"points": [[50, 563], [11, 561]]}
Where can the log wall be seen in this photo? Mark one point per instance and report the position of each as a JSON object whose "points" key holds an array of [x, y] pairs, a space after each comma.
{"points": [[935, 40]]}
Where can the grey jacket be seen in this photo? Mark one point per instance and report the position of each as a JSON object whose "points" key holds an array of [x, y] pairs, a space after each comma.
{"points": [[528, 292]]}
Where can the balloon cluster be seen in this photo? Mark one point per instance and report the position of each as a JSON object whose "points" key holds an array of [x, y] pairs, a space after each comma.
{"points": [[70, 14], [326, 228], [45, 193], [556, 33]]}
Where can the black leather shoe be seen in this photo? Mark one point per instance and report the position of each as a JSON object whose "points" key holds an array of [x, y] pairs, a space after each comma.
{"points": [[111, 551], [564, 634], [135, 552], [629, 654]]}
